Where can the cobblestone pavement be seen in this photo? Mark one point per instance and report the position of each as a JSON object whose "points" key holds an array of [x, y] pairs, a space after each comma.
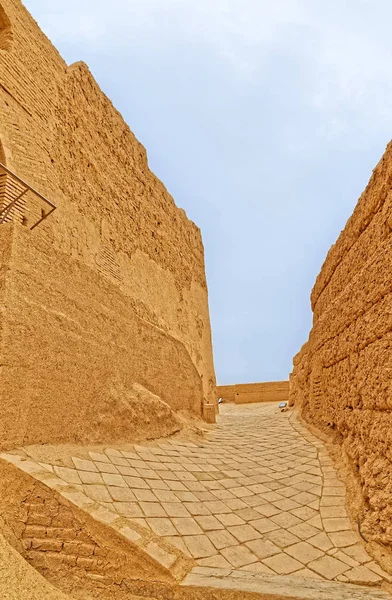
{"points": [[260, 494]]}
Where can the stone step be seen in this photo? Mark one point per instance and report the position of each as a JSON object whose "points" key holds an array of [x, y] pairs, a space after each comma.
{"points": [[234, 584]]}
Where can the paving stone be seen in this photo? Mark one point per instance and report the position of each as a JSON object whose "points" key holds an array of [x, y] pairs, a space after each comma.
{"points": [[209, 523], [68, 475], [186, 496], [124, 471], [97, 492], [99, 457], [247, 514], [107, 467], [205, 497], [285, 519], [198, 508], [305, 513], [263, 548], [130, 534], [178, 542], [162, 526], [333, 501], [113, 453], [88, 477], [160, 555], [341, 539], [176, 486], [283, 564], [104, 515], [257, 567], [244, 533], [186, 526], [363, 576], [334, 491], [304, 552], [230, 519], [321, 541], [281, 537], [254, 501], [239, 556], [121, 495], [129, 509], [144, 495], [84, 465], [358, 553], [153, 509], [286, 504], [174, 509], [264, 525], [351, 562], [268, 510], [331, 525], [304, 531], [115, 480], [331, 512], [157, 484], [304, 498], [199, 546], [328, 566], [222, 539], [315, 522], [215, 561], [307, 574]]}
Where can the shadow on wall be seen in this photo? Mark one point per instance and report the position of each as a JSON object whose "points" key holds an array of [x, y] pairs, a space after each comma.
{"points": [[6, 35]]}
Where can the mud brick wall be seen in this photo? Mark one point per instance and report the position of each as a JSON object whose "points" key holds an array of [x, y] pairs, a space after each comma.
{"points": [[342, 377], [271, 391], [65, 545], [53, 538], [117, 224]]}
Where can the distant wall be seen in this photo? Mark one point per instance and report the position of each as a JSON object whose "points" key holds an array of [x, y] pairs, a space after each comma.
{"points": [[111, 287], [271, 391], [342, 377]]}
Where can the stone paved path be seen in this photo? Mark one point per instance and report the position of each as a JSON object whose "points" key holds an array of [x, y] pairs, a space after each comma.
{"points": [[260, 494]]}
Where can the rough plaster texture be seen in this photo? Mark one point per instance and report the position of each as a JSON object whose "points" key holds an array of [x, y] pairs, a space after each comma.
{"points": [[110, 291], [244, 393], [71, 549], [342, 378]]}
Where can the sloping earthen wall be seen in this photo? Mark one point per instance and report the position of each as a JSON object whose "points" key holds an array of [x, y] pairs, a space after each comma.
{"points": [[242, 393], [109, 291], [342, 378]]}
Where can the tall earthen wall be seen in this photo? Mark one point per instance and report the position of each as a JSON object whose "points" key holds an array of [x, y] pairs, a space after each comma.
{"points": [[110, 290], [243, 393], [342, 377]]}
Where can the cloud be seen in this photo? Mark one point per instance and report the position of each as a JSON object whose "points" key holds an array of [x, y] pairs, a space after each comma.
{"points": [[340, 45], [264, 118]]}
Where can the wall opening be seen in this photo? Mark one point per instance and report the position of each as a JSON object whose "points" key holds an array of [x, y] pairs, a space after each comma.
{"points": [[6, 35]]}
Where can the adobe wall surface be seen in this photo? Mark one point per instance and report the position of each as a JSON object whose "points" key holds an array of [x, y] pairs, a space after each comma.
{"points": [[242, 393], [110, 290], [342, 377]]}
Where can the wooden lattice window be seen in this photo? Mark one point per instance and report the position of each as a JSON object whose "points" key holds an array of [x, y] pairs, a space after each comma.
{"points": [[19, 202]]}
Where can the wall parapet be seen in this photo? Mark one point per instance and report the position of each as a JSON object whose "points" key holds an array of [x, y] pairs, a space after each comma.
{"points": [[243, 393]]}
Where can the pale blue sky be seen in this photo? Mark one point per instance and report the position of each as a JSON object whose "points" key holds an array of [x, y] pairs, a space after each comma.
{"points": [[264, 119]]}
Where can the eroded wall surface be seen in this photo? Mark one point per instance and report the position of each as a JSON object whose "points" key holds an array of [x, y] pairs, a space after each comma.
{"points": [[109, 291], [342, 378], [243, 393]]}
